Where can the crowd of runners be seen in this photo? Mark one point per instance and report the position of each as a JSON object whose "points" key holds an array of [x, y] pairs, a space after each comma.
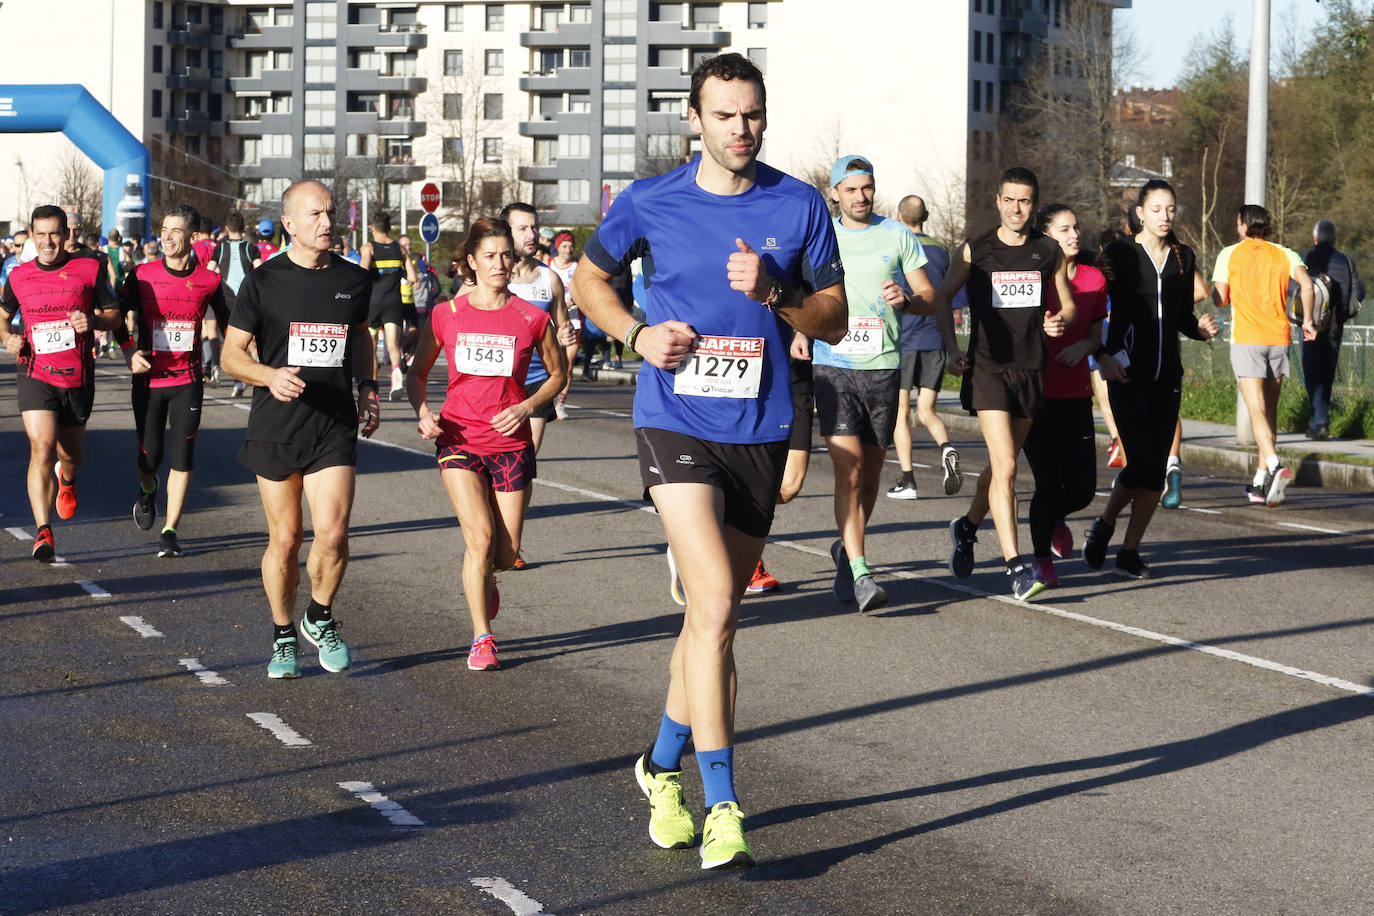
{"points": [[775, 315]]}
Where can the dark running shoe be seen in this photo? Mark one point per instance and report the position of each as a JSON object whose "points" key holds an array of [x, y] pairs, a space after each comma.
{"points": [[961, 533], [145, 509], [1095, 543], [1129, 564]]}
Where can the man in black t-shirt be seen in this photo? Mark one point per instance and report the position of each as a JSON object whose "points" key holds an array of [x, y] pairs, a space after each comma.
{"points": [[307, 311], [1009, 272]]}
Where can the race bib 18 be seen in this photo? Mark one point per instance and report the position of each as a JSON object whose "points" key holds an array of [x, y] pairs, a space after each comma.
{"points": [[53, 336], [1016, 289], [174, 336], [317, 345], [864, 337], [721, 367], [484, 354]]}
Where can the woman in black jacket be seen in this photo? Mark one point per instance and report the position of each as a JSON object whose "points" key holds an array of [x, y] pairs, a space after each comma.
{"points": [[1153, 282]]}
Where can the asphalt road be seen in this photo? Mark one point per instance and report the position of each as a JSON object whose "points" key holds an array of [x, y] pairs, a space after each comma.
{"points": [[1197, 743]]}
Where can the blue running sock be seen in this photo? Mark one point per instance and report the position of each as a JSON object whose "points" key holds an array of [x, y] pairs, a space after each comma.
{"points": [[668, 747], [717, 776]]}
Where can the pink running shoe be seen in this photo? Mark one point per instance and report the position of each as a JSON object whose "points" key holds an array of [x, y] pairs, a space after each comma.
{"points": [[1044, 571], [482, 655], [1061, 542]]}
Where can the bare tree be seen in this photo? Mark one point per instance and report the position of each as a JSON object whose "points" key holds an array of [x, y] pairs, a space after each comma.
{"points": [[457, 114], [79, 186]]}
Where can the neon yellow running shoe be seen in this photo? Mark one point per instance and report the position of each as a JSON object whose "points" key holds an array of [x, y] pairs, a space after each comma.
{"points": [[670, 823], [722, 838]]}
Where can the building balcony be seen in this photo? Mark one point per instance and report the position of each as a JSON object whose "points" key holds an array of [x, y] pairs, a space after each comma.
{"points": [[189, 78], [269, 167], [1028, 23], [539, 173], [266, 81], [188, 33], [402, 171], [383, 36], [565, 122], [400, 127], [563, 79], [666, 122], [263, 124], [386, 83], [568, 35], [671, 78], [275, 36], [189, 122], [674, 35]]}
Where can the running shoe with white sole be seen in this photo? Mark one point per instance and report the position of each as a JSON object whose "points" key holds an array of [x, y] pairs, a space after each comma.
{"points": [[961, 535], [762, 581], [722, 838], [904, 488], [1061, 542], [869, 594], [949, 463], [167, 544], [843, 586], [1257, 494], [44, 551], [284, 661], [398, 385], [1024, 585], [1129, 564], [1095, 543], [675, 582], [334, 654], [482, 654], [670, 823], [1278, 483], [1172, 497], [145, 509]]}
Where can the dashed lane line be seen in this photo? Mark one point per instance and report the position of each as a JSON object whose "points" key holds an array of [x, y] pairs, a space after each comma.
{"points": [[279, 729], [519, 903], [140, 627], [384, 806], [92, 589], [207, 677], [1311, 528]]}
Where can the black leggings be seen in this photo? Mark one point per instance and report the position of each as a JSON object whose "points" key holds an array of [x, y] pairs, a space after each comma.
{"points": [[1146, 413], [1062, 452], [153, 408]]}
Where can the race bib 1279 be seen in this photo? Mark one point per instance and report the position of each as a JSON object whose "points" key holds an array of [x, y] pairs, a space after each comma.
{"points": [[721, 367]]}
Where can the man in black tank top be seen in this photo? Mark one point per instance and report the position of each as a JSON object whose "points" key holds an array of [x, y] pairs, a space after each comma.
{"points": [[387, 262], [1008, 272]]}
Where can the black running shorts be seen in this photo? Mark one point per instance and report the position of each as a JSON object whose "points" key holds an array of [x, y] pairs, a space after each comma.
{"points": [[545, 413], [749, 475], [386, 313], [72, 405], [922, 369], [1019, 392], [858, 402], [280, 460]]}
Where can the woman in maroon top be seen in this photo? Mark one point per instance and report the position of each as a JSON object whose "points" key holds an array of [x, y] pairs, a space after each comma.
{"points": [[485, 450]]}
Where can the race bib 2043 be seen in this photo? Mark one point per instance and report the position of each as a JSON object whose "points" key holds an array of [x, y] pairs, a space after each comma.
{"points": [[317, 345], [1016, 289], [484, 354], [722, 367]]}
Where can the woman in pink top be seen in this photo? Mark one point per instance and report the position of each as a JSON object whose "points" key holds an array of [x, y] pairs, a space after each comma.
{"points": [[485, 451]]}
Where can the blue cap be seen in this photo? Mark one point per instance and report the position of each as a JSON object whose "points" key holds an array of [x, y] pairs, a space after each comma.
{"points": [[266, 227], [842, 168]]}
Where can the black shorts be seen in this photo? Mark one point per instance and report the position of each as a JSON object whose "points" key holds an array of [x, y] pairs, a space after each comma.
{"points": [[72, 405], [1019, 392], [174, 406], [279, 460], [922, 369], [749, 475], [803, 405], [858, 402], [547, 412], [506, 472], [385, 313]]}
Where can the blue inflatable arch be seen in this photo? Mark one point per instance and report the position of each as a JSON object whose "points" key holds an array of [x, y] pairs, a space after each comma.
{"points": [[75, 112]]}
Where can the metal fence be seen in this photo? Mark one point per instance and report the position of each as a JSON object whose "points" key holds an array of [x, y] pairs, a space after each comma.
{"points": [[1211, 360]]}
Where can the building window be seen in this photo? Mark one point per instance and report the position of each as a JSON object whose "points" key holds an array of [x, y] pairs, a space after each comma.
{"points": [[319, 108], [453, 17], [550, 18], [977, 47], [364, 15], [364, 145], [277, 146], [320, 19], [705, 16], [758, 15], [663, 147], [574, 146], [620, 17], [977, 96], [760, 58], [157, 58], [989, 48], [494, 62], [579, 12], [618, 64], [402, 107], [451, 191], [364, 102], [550, 61], [453, 106], [364, 59], [668, 101], [617, 107], [618, 153], [453, 63], [216, 111], [491, 150], [496, 17], [157, 14], [453, 150], [493, 105], [574, 190], [545, 151], [216, 64], [987, 98], [579, 58], [667, 12], [397, 150], [319, 63], [491, 195], [403, 64], [319, 152], [193, 101], [157, 103], [579, 102]]}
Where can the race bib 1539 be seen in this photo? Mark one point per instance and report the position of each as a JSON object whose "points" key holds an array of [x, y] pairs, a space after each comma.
{"points": [[318, 345]]}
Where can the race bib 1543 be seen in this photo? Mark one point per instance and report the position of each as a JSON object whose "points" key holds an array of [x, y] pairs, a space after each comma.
{"points": [[484, 354]]}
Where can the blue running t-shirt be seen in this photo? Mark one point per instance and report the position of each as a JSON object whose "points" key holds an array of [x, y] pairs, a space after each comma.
{"points": [[737, 387]]}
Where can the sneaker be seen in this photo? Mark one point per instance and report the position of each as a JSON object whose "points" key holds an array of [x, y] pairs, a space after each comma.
{"points": [[66, 495], [559, 411], [1321, 432], [1095, 542], [949, 462], [1024, 585], [284, 661], [869, 594], [325, 637], [168, 546], [1061, 542], [961, 534], [1129, 564], [844, 578], [675, 583], [482, 654], [1172, 497], [1043, 568], [904, 488], [237, 391], [1278, 482], [44, 551], [722, 838], [1116, 457], [398, 385], [670, 823], [1256, 493], [145, 509], [519, 562], [762, 581], [214, 376]]}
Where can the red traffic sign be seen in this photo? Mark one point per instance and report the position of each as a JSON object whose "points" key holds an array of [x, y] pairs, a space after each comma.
{"points": [[429, 197]]}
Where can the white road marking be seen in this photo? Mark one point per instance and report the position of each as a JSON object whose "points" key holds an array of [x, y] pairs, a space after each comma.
{"points": [[601, 410], [1310, 528], [502, 890], [19, 534], [279, 729], [384, 806], [140, 627], [207, 677], [95, 591], [1203, 511]]}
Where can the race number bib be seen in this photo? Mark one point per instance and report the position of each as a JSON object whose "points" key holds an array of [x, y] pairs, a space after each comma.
{"points": [[484, 354], [53, 336], [1015, 289], [317, 345], [721, 367], [864, 338], [174, 336]]}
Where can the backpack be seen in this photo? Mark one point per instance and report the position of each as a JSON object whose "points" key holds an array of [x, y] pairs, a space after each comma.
{"points": [[1322, 286], [233, 270]]}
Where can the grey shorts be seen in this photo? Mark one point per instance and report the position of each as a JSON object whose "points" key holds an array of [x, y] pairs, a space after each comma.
{"points": [[922, 369], [857, 402], [1259, 361]]}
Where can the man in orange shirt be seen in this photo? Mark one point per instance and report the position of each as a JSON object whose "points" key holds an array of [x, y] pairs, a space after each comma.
{"points": [[1253, 276]]}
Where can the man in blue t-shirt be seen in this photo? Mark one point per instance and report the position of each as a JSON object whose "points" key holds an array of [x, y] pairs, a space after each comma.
{"points": [[713, 405]]}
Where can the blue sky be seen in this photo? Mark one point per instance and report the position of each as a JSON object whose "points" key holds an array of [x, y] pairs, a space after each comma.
{"points": [[1164, 29]]}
